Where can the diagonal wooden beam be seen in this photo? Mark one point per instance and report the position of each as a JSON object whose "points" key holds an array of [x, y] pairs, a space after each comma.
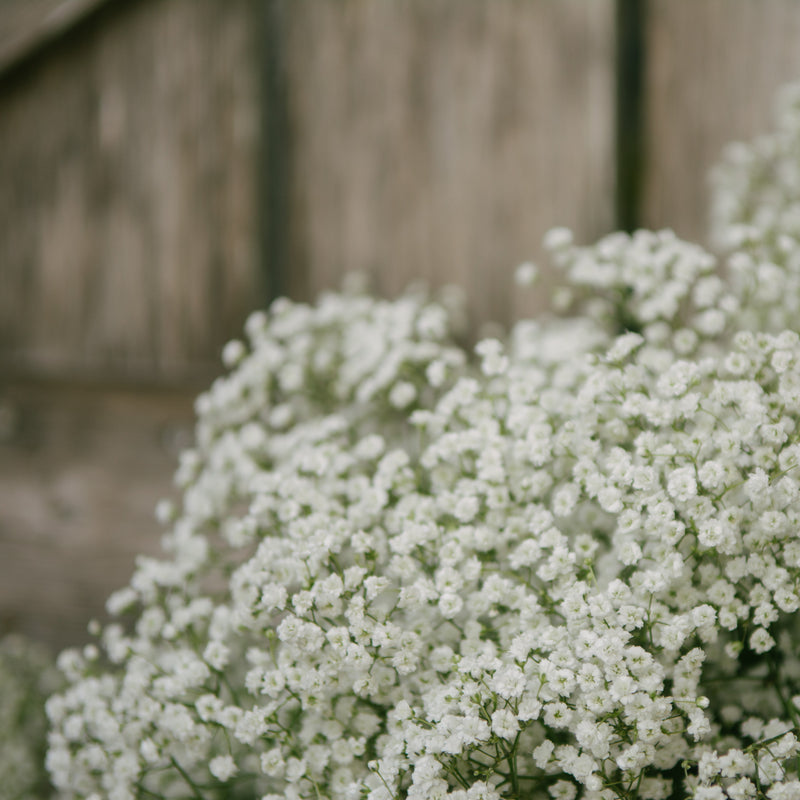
{"points": [[29, 26]]}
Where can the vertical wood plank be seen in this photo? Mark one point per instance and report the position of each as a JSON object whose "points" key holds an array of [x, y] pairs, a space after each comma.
{"points": [[713, 67], [440, 139], [128, 206]]}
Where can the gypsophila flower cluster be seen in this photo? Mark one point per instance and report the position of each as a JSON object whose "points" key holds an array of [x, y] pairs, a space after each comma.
{"points": [[756, 218], [565, 567], [27, 676], [651, 283]]}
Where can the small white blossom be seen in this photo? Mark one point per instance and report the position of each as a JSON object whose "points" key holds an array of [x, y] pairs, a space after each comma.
{"points": [[526, 274], [223, 768], [504, 724]]}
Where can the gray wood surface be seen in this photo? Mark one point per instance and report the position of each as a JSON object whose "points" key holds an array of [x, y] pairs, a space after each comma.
{"points": [[129, 154], [440, 139], [713, 67], [81, 469]]}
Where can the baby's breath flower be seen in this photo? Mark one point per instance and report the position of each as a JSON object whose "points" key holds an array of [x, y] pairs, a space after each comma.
{"points": [[526, 274], [223, 768], [564, 565]]}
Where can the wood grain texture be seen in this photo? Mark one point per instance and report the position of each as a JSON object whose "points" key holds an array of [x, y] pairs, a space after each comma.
{"points": [[128, 206], [440, 139], [81, 470], [713, 69]]}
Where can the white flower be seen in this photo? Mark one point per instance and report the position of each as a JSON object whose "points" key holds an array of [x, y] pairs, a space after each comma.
{"points": [[761, 641], [509, 682], [565, 499], [450, 604], [402, 394], [557, 238], [624, 345], [223, 768], [526, 274], [681, 484], [216, 654], [504, 724], [272, 762], [542, 753], [295, 769]]}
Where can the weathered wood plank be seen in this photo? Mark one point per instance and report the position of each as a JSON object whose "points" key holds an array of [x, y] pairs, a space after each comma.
{"points": [[129, 154], [713, 67], [81, 470], [439, 139]]}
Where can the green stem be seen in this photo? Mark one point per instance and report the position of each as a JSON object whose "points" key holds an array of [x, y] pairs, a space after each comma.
{"points": [[187, 778]]}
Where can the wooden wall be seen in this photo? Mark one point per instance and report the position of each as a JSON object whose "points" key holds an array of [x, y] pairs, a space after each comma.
{"points": [[441, 139], [130, 154], [81, 468], [169, 165], [713, 67], [129, 157]]}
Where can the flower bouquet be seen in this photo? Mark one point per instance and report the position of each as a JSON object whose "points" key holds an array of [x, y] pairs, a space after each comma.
{"points": [[565, 567]]}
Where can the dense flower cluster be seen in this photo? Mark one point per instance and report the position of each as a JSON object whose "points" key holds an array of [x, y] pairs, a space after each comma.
{"points": [[653, 283], [565, 568], [27, 676], [756, 216]]}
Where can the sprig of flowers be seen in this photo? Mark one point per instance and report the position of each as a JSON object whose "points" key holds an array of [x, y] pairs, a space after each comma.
{"points": [[564, 567], [756, 218]]}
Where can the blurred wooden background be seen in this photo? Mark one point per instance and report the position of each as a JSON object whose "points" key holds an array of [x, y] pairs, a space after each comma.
{"points": [[169, 165]]}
